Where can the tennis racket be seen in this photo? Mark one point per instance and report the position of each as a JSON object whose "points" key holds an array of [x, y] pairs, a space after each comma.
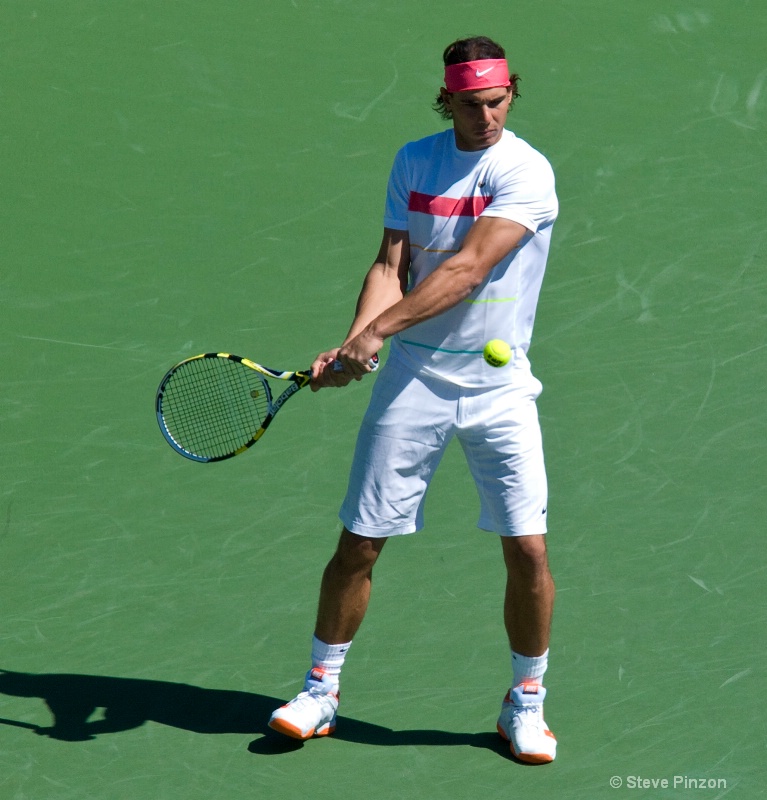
{"points": [[216, 405]]}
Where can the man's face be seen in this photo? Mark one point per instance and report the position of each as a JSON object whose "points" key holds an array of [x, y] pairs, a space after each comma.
{"points": [[478, 117]]}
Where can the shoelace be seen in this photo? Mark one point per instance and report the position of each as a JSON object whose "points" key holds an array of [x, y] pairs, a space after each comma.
{"points": [[530, 715], [309, 697]]}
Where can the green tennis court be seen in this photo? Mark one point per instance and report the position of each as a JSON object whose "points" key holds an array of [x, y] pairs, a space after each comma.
{"points": [[187, 177]]}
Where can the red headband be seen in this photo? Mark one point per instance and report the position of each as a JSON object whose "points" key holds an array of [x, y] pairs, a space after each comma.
{"points": [[475, 75]]}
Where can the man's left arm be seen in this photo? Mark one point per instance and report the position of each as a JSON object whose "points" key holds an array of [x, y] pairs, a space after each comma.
{"points": [[489, 241]]}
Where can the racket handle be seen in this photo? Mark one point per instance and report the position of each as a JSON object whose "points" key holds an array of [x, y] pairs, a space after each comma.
{"points": [[373, 364]]}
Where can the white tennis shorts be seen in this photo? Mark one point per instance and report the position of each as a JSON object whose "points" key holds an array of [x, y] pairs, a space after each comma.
{"points": [[403, 436]]}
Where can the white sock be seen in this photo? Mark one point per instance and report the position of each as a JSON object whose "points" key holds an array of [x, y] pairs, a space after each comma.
{"points": [[528, 669], [330, 657]]}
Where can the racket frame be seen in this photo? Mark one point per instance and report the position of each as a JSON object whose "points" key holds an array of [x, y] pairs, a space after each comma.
{"points": [[297, 380]]}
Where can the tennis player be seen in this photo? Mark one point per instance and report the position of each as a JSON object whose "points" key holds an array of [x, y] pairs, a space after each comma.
{"points": [[467, 225]]}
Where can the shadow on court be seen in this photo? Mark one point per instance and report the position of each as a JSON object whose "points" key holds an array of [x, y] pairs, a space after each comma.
{"points": [[128, 703]]}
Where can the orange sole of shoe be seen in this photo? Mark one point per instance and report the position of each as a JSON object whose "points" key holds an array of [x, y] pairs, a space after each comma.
{"points": [[287, 729], [528, 758]]}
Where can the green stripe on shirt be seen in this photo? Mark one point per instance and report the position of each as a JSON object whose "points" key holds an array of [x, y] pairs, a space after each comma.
{"points": [[444, 349], [491, 300]]}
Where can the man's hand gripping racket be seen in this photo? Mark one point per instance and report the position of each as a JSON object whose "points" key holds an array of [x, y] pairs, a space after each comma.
{"points": [[216, 405]]}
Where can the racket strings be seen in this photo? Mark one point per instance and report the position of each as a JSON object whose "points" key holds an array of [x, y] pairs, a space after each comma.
{"points": [[212, 407]]}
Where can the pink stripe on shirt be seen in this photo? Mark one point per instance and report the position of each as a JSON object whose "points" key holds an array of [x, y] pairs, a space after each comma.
{"points": [[448, 206]]}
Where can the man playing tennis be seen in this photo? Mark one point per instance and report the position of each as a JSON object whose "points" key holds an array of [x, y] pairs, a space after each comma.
{"points": [[467, 227]]}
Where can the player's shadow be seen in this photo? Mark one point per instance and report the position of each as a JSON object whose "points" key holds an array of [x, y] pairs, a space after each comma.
{"points": [[128, 703]]}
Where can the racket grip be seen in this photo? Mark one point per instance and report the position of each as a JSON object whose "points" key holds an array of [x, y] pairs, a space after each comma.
{"points": [[373, 364]]}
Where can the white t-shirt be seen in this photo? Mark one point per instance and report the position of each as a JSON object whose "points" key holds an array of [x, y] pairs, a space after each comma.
{"points": [[436, 192]]}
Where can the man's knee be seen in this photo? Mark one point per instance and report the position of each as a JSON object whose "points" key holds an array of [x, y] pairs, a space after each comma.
{"points": [[356, 554], [525, 554]]}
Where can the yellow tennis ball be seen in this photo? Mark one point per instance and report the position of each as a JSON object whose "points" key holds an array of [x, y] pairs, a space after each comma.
{"points": [[497, 353]]}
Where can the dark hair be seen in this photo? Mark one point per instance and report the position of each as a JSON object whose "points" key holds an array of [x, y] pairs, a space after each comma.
{"points": [[474, 48]]}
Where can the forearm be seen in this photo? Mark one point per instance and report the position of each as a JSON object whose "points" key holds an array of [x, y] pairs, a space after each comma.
{"points": [[380, 291], [384, 309], [447, 286], [489, 240]]}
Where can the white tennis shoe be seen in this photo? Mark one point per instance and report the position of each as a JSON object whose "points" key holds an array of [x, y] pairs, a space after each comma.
{"points": [[310, 713], [521, 724]]}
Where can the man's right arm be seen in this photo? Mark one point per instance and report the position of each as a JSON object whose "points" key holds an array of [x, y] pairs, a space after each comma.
{"points": [[386, 281], [384, 285]]}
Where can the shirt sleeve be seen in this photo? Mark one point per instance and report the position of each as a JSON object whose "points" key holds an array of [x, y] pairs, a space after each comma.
{"points": [[525, 193], [397, 194]]}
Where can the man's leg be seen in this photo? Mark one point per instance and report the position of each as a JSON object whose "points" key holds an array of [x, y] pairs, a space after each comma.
{"points": [[529, 600], [344, 597], [345, 589], [528, 607]]}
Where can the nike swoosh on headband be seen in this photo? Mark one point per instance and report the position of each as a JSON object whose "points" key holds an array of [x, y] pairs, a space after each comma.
{"points": [[471, 76]]}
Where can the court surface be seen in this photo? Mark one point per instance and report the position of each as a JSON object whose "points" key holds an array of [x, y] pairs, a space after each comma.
{"points": [[180, 178]]}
